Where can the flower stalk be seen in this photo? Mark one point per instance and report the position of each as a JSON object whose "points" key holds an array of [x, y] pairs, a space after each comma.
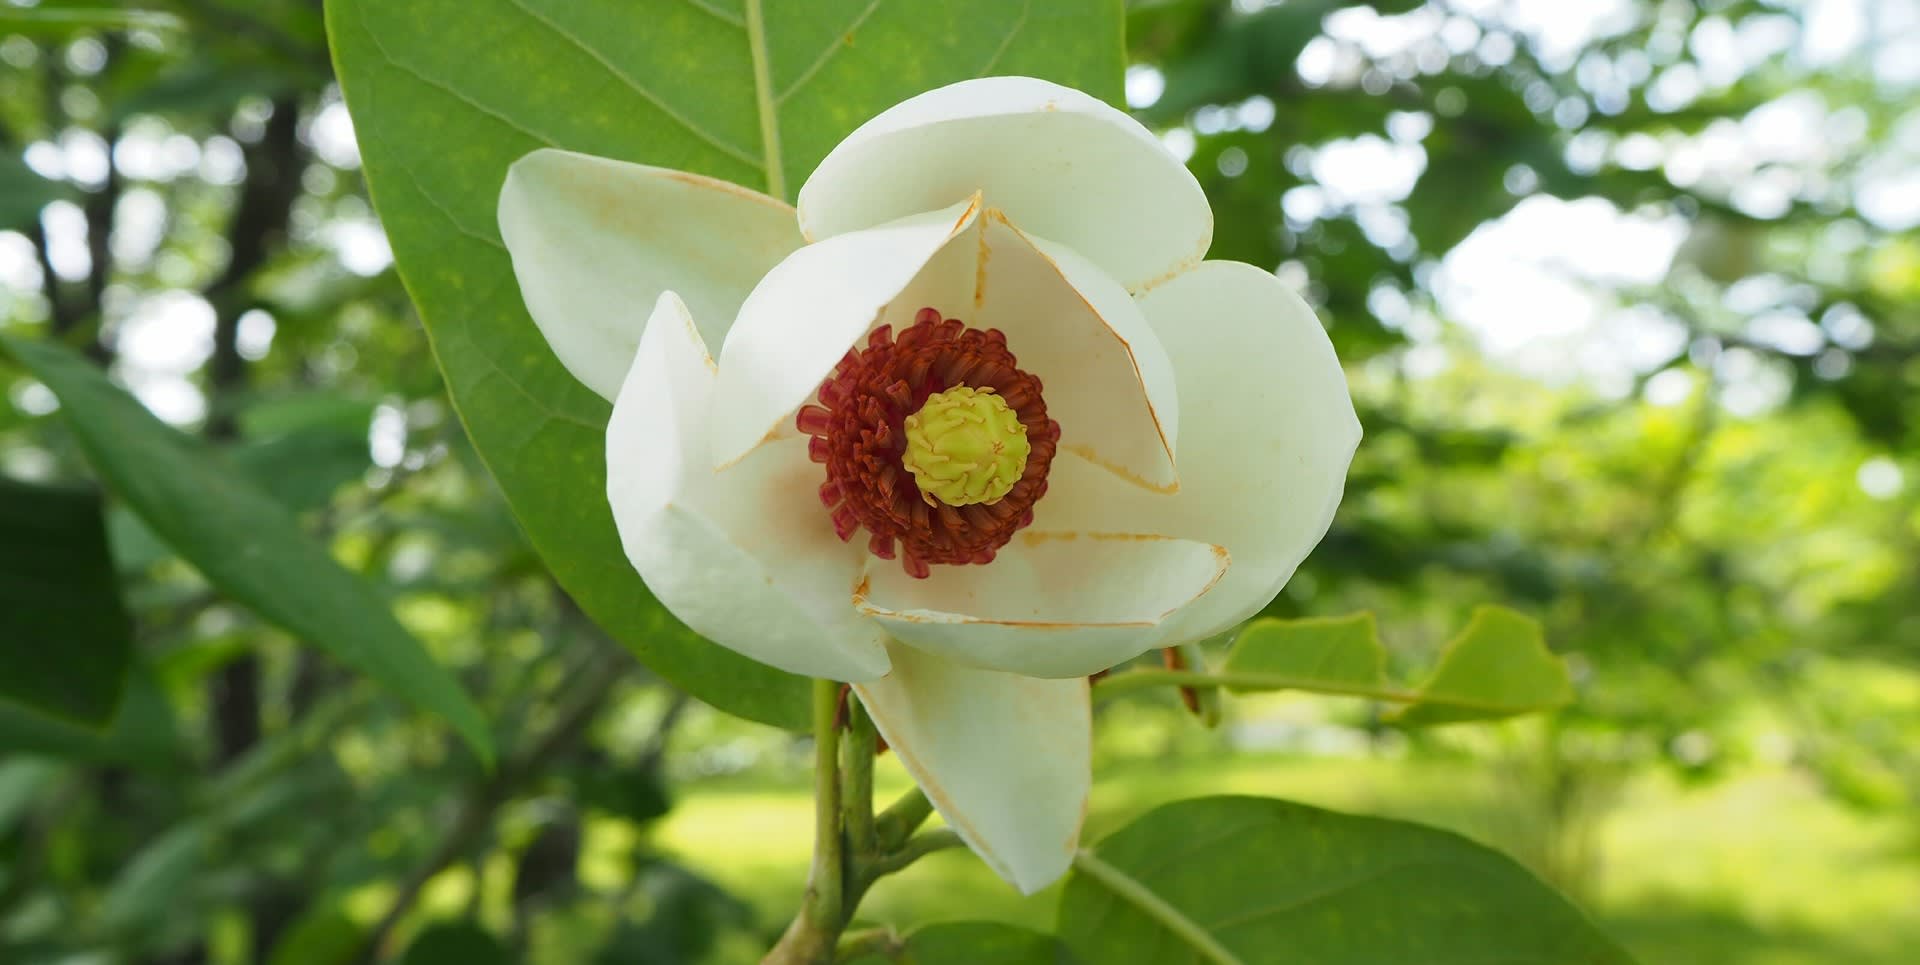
{"points": [[811, 938], [857, 753], [852, 847]]}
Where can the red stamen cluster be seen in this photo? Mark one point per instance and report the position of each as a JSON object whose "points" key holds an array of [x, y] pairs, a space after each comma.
{"points": [[859, 433]]}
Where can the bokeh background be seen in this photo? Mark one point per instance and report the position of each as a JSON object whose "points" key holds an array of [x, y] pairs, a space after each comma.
{"points": [[1629, 295]]}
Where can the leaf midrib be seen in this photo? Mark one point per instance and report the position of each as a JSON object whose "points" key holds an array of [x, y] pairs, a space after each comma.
{"points": [[764, 102]]}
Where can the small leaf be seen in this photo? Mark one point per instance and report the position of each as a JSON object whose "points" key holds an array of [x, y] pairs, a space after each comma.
{"points": [[973, 942], [1334, 651], [1498, 666], [240, 539], [1255, 881], [65, 636], [150, 885]]}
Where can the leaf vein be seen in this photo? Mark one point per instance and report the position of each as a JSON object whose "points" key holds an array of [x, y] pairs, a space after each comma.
{"points": [[1019, 24], [728, 18], [1302, 901], [453, 92], [420, 188], [841, 41], [718, 143], [1196, 845]]}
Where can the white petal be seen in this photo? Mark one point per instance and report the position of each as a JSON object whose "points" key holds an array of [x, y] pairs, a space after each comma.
{"points": [[1267, 431], [746, 557], [1104, 376], [1005, 759], [594, 242], [1051, 604], [1061, 163], [809, 309]]}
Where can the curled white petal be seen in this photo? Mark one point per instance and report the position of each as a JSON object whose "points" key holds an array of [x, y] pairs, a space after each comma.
{"points": [[745, 557], [1051, 604], [1106, 379], [805, 313], [594, 242], [1060, 162], [1267, 432], [1005, 759]]}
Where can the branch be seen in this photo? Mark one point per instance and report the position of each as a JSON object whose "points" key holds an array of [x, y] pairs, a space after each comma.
{"points": [[477, 810], [259, 225], [223, 19], [811, 937], [99, 210], [902, 818], [857, 764], [916, 848]]}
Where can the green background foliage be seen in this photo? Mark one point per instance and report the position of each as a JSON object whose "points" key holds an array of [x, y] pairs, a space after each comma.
{"points": [[240, 539], [68, 633], [1707, 501]]}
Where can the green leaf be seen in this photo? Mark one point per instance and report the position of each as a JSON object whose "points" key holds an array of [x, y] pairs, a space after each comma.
{"points": [[691, 84], [456, 943], [325, 935], [21, 781], [23, 192], [1263, 882], [1498, 666], [240, 539], [1333, 651], [150, 885], [972, 942], [65, 21], [301, 451], [142, 732], [65, 636]]}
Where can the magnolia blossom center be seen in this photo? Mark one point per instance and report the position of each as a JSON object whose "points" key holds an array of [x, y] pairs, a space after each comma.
{"points": [[948, 407], [966, 446]]}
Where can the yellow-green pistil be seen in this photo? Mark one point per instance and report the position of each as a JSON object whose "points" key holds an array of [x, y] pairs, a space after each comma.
{"points": [[965, 446]]}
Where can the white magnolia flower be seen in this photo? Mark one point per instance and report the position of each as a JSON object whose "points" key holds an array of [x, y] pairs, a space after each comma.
{"points": [[983, 422]]}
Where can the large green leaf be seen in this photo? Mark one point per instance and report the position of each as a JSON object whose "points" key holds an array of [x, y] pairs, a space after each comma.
{"points": [[324, 935], [142, 732], [65, 637], [240, 539], [971, 942], [456, 943], [1262, 882], [446, 94], [1497, 666]]}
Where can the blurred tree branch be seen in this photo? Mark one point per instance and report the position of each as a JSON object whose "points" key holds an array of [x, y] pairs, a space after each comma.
{"points": [[590, 687], [217, 17]]}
